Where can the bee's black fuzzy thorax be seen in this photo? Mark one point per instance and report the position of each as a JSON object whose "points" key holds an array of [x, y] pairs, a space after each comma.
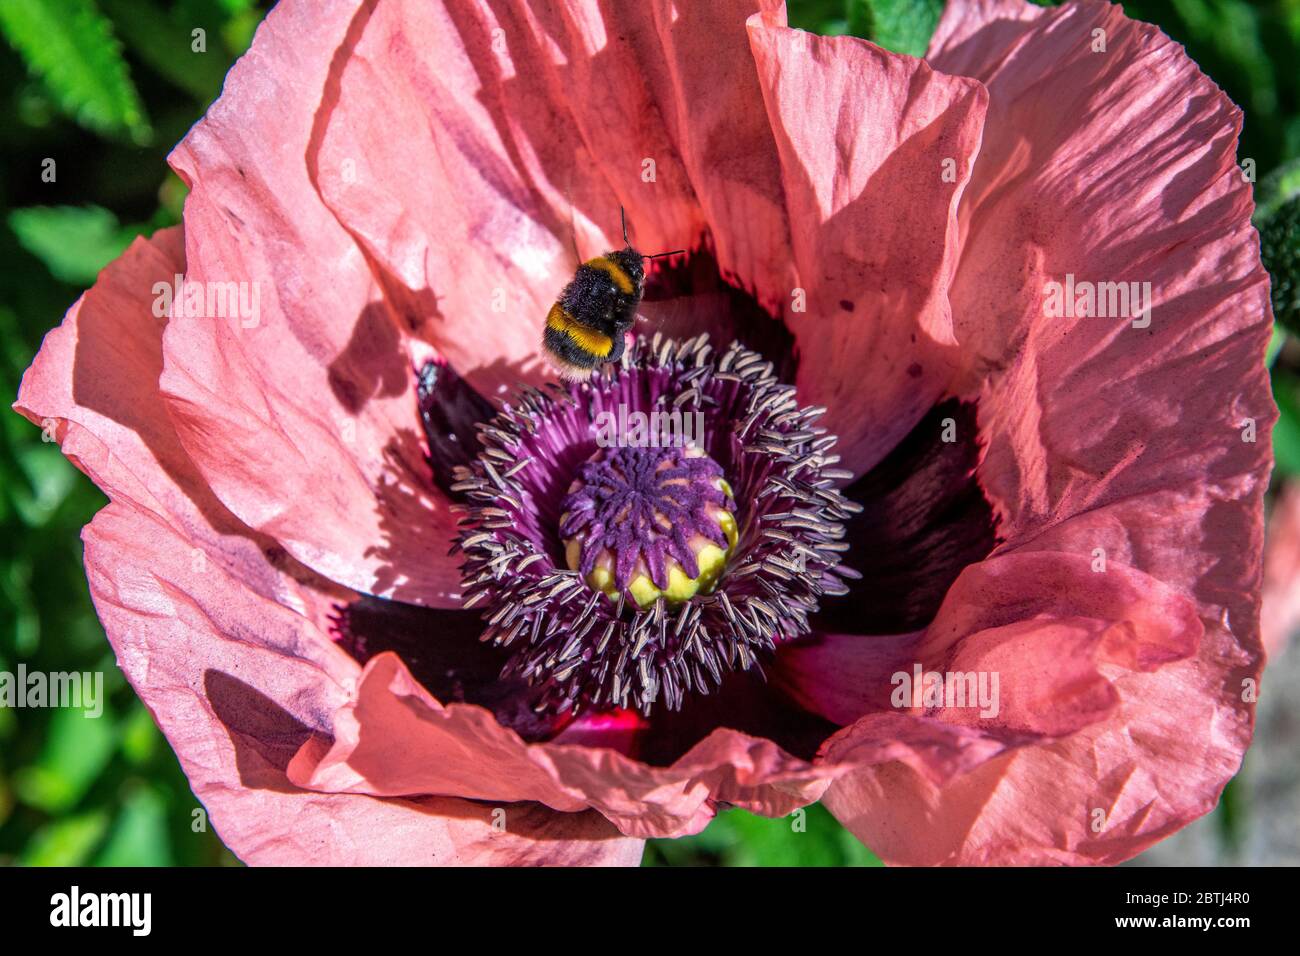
{"points": [[632, 263], [605, 291], [587, 324]]}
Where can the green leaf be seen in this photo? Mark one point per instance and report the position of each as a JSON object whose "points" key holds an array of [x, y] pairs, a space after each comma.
{"points": [[1279, 249], [1275, 343], [166, 45], [74, 242], [77, 749], [904, 26], [827, 17], [6, 799], [67, 842], [70, 45], [808, 837], [1275, 190], [140, 738], [24, 629], [139, 835], [51, 478], [1286, 433]]}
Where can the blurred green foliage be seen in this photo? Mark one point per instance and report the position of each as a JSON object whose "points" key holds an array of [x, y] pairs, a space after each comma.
{"points": [[903, 26], [104, 88], [808, 837], [71, 46]]}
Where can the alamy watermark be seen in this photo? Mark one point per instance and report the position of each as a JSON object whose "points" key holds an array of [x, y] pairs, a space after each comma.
{"points": [[1102, 300], [180, 299], [630, 428], [927, 689], [25, 689], [130, 910]]}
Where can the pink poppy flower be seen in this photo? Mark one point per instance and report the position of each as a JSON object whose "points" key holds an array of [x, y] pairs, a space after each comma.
{"points": [[1065, 507]]}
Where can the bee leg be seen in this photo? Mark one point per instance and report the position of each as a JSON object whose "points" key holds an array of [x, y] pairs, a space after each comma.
{"points": [[620, 341]]}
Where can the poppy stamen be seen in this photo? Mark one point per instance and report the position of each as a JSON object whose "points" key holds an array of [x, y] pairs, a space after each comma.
{"points": [[628, 575]]}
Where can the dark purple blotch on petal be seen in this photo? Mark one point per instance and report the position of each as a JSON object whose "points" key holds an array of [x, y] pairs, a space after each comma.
{"points": [[450, 409], [443, 652], [745, 702], [924, 519], [687, 295]]}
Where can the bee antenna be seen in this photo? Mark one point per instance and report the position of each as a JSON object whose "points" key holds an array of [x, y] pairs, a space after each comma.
{"points": [[660, 255], [622, 217]]}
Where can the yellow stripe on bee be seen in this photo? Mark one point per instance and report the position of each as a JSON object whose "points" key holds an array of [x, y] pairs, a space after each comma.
{"points": [[595, 343], [605, 264]]}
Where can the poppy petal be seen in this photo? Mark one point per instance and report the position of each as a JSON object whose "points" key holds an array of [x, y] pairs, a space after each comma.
{"points": [[238, 683], [872, 179], [302, 414]]}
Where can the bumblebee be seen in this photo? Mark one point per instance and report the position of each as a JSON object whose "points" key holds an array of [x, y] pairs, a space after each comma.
{"points": [[588, 322]]}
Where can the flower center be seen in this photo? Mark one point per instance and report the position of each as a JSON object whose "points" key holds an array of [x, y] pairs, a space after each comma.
{"points": [[629, 573], [656, 522]]}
